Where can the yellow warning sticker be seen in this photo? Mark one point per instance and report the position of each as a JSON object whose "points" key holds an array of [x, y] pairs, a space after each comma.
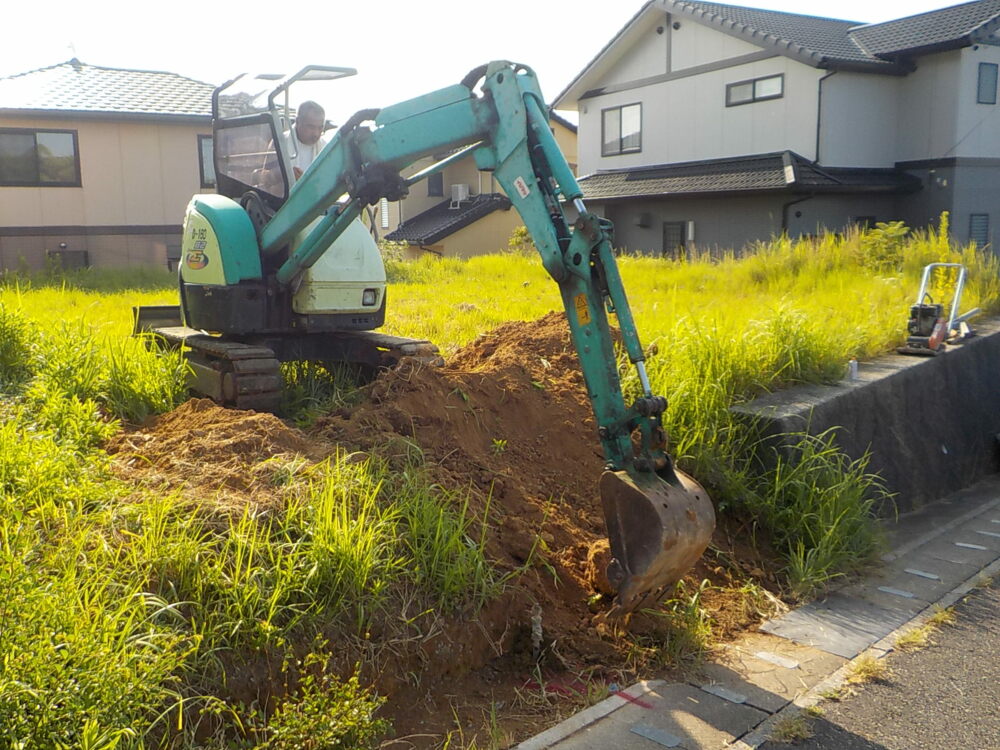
{"points": [[582, 310]]}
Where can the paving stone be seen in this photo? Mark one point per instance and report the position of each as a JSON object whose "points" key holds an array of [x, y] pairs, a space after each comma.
{"points": [[978, 531], [767, 685], [890, 594], [698, 720], [588, 716], [840, 624], [947, 549], [913, 573], [915, 528]]}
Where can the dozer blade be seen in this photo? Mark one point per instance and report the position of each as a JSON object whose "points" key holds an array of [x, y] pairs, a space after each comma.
{"points": [[657, 532], [147, 317]]}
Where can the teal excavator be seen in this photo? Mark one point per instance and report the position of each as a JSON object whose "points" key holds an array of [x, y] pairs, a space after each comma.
{"points": [[275, 269]]}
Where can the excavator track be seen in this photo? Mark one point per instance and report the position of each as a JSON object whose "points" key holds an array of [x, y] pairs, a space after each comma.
{"points": [[242, 376], [232, 373], [247, 374]]}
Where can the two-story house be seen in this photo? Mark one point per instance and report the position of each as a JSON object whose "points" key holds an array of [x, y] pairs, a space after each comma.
{"points": [[717, 125], [97, 164]]}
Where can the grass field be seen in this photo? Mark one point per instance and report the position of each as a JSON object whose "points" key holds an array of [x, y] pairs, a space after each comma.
{"points": [[119, 614]]}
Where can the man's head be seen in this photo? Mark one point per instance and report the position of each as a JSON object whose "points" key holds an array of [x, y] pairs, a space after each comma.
{"points": [[309, 122]]}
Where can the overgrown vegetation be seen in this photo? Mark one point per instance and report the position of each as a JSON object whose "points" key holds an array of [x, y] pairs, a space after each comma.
{"points": [[121, 612]]}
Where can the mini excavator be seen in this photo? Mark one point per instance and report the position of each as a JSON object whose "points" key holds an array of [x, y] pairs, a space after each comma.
{"points": [[275, 269]]}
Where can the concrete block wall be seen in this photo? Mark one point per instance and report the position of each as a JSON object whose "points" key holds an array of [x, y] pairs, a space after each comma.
{"points": [[930, 423]]}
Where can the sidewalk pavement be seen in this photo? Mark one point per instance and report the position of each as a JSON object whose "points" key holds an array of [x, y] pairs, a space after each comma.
{"points": [[938, 554]]}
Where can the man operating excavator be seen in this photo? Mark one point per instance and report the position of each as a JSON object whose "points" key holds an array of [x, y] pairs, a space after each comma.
{"points": [[305, 139]]}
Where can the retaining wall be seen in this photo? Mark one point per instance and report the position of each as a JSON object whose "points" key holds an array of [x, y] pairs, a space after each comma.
{"points": [[929, 423]]}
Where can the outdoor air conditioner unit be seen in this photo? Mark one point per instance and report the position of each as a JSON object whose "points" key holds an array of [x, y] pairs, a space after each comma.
{"points": [[459, 193]]}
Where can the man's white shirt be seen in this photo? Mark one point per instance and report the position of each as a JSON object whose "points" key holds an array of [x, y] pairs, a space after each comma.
{"points": [[304, 154]]}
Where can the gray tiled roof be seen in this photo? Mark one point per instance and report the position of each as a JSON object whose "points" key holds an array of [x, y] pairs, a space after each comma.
{"points": [[926, 30], [827, 42], [77, 87], [441, 220], [779, 171], [821, 39]]}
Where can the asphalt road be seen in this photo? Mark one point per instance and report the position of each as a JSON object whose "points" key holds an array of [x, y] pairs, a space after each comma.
{"points": [[946, 696]]}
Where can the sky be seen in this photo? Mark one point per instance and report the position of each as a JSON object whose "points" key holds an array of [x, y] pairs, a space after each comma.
{"points": [[401, 48]]}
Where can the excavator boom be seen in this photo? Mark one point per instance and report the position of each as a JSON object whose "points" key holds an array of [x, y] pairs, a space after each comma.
{"points": [[659, 522]]}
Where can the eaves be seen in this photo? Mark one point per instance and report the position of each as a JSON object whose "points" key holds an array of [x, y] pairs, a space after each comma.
{"points": [[69, 114]]}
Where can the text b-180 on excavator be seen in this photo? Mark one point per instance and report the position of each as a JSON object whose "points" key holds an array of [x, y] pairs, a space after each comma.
{"points": [[279, 270]]}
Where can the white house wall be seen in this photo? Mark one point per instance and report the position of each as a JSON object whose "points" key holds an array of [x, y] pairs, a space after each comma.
{"points": [[646, 56], [686, 119], [928, 101], [859, 118], [978, 125], [695, 44]]}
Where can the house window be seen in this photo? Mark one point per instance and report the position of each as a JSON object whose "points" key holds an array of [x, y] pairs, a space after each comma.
{"points": [[674, 239], [206, 161], [979, 229], [987, 92], [755, 90], [39, 158], [621, 130], [435, 185]]}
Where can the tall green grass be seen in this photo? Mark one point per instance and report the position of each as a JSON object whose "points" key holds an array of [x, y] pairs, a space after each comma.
{"points": [[120, 609]]}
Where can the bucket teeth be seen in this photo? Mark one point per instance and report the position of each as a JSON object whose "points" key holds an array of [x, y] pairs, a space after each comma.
{"points": [[657, 531]]}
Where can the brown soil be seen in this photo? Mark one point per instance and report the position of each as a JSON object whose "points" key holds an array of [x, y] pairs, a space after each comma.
{"points": [[507, 418]]}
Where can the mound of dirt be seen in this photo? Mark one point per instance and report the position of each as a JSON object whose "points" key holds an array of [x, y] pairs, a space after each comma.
{"points": [[509, 417], [208, 451]]}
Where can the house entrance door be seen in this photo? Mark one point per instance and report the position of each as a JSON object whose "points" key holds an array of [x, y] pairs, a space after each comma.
{"points": [[673, 239]]}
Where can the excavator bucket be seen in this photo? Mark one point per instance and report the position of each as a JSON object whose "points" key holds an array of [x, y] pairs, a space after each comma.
{"points": [[657, 531]]}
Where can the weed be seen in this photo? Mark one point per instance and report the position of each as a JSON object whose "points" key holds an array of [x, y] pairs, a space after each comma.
{"points": [[915, 639], [326, 713], [789, 729], [942, 616], [499, 446], [920, 636], [15, 347], [817, 505], [681, 634], [867, 668], [313, 389], [814, 711]]}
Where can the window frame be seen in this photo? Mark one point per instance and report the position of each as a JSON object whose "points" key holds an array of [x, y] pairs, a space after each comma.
{"points": [[753, 83], [995, 68], [78, 182], [205, 184], [987, 226], [604, 143]]}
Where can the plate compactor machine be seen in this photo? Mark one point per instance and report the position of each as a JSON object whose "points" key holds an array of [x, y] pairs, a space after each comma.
{"points": [[275, 269], [929, 331]]}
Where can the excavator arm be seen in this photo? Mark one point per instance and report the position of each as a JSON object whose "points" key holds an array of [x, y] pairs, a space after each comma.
{"points": [[659, 521]]}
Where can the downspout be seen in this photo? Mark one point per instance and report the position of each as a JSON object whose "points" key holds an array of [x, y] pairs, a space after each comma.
{"points": [[819, 112]]}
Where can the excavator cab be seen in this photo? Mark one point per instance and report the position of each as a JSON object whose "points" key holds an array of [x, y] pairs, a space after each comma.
{"points": [[252, 117]]}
